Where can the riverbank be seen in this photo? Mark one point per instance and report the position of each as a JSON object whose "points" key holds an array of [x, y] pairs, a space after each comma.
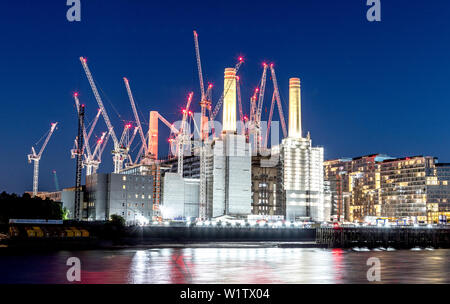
{"points": [[112, 237]]}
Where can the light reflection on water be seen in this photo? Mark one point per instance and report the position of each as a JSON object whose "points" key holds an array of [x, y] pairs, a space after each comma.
{"points": [[228, 265]]}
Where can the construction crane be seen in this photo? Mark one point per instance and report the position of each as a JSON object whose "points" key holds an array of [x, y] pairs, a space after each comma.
{"points": [[95, 162], [79, 166], [55, 179], [183, 137], [256, 104], [88, 160], [138, 122], [102, 144], [241, 114], [91, 129], [269, 122], [277, 96], [37, 157], [205, 99], [225, 90], [120, 152]]}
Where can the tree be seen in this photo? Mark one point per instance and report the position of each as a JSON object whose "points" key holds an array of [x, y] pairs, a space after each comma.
{"points": [[13, 206], [117, 220]]}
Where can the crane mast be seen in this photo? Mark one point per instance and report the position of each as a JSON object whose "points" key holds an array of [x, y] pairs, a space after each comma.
{"points": [[85, 135], [199, 65], [79, 157], [205, 100], [55, 179], [120, 152], [183, 138], [37, 157]]}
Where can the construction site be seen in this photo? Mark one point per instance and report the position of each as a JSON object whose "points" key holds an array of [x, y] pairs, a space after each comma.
{"points": [[231, 167]]}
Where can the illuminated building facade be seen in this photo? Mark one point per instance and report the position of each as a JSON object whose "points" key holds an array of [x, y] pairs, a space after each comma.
{"points": [[404, 187], [127, 195], [267, 192], [415, 188], [438, 194], [228, 162], [302, 167]]}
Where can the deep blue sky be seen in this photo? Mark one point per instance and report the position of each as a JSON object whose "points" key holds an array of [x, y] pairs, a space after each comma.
{"points": [[366, 87]]}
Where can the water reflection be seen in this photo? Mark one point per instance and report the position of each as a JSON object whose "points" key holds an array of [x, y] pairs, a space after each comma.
{"points": [[228, 265]]}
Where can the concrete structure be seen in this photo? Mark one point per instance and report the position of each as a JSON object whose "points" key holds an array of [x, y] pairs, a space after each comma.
{"points": [[295, 109], [302, 165], [227, 162], [191, 166], [229, 101], [302, 179], [130, 196], [153, 135], [327, 201], [229, 177], [180, 197]]}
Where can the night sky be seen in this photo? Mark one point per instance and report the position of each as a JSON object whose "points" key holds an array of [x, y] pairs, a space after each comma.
{"points": [[380, 87]]}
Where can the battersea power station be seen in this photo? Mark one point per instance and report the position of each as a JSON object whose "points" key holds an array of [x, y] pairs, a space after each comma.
{"points": [[231, 174], [217, 168]]}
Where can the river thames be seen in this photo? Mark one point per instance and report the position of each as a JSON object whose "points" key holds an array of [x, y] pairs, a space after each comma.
{"points": [[233, 264]]}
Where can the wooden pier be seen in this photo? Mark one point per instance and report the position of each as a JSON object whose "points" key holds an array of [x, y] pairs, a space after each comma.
{"points": [[374, 237]]}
